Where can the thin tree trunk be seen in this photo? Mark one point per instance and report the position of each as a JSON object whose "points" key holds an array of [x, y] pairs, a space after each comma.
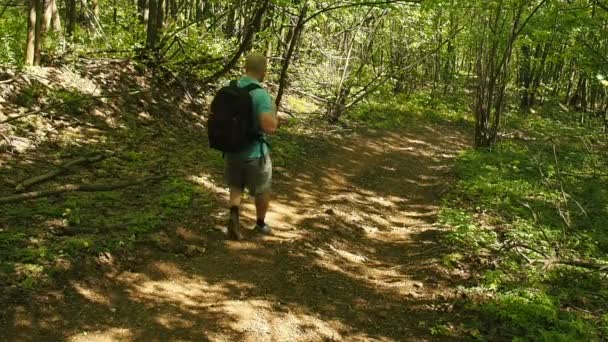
{"points": [[141, 8], [292, 44], [160, 15], [152, 24], [539, 75], [525, 78], [38, 32], [200, 10], [51, 20], [31, 33], [71, 16], [95, 8], [48, 15], [55, 18], [230, 21], [146, 12]]}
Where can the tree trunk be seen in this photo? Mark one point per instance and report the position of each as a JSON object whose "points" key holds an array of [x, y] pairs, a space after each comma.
{"points": [[292, 44], [38, 31], [174, 9], [200, 10], [51, 21], [146, 12], [71, 16], [141, 9], [230, 21], [56, 19], [539, 73], [95, 8], [48, 15], [160, 15], [525, 78], [152, 24], [31, 33]]}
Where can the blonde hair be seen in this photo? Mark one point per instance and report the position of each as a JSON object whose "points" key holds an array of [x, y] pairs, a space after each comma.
{"points": [[256, 63]]}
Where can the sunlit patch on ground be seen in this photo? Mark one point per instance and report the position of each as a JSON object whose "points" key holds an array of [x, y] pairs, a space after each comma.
{"points": [[110, 335]]}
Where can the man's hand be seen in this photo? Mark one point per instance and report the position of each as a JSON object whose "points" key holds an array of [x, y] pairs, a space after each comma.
{"points": [[268, 123]]}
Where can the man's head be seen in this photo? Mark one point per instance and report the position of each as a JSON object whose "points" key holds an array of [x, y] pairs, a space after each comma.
{"points": [[255, 66]]}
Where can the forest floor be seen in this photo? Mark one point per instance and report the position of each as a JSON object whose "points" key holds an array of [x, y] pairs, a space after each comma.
{"points": [[356, 254]]}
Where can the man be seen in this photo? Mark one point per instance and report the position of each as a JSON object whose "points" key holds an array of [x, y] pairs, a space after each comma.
{"points": [[252, 167]]}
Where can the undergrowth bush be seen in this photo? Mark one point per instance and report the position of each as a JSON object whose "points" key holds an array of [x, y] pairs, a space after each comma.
{"points": [[526, 205], [392, 111]]}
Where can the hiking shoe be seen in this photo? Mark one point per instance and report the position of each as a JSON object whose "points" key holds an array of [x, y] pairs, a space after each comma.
{"points": [[263, 229], [234, 227]]}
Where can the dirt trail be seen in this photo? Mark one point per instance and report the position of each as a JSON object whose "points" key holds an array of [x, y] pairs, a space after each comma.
{"points": [[354, 257]]}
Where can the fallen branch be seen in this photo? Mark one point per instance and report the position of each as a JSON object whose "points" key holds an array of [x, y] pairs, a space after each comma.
{"points": [[286, 112], [565, 216], [62, 169], [432, 249], [71, 231], [69, 102], [515, 136], [8, 81], [575, 263], [77, 187]]}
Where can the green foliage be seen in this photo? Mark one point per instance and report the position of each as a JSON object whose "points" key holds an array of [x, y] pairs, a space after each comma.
{"points": [[74, 103], [12, 46], [289, 146], [440, 330], [531, 315], [176, 196], [466, 232], [9, 241], [30, 95], [30, 275], [75, 245], [516, 193], [389, 111], [25, 214]]}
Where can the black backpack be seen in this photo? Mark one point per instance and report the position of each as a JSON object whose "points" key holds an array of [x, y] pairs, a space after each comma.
{"points": [[231, 127]]}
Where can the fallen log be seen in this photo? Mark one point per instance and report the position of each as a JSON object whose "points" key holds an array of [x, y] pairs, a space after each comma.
{"points": [[60, 170], [77, 187]]}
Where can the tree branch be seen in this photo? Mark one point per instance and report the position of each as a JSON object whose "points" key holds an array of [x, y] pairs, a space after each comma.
{"points": [[601, 5], [78, 187], [357, 4], [54, 173], [246, 44]]}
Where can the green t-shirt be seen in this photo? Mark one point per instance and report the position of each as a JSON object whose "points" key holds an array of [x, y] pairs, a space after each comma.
{"points": [[262, 103]]}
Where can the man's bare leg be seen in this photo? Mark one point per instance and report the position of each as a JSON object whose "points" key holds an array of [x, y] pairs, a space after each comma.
{"points": [[235, 198], [234, 226], [262, 202]]}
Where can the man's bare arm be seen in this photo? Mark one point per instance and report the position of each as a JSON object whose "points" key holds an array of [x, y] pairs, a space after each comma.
{"points": [[269, 122]]}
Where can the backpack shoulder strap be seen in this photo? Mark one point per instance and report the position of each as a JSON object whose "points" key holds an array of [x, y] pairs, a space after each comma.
{"points": [[252, 86]]}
